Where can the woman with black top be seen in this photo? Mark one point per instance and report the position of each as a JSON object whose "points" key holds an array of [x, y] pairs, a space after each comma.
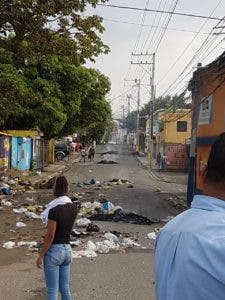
{"points": [[59, 217]]}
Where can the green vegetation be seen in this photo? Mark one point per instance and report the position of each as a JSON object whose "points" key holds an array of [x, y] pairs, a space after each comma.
{"points": [[43, 83]]}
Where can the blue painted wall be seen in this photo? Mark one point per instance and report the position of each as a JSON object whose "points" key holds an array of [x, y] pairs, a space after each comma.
{"points": [[14, 155], [21, 153]]}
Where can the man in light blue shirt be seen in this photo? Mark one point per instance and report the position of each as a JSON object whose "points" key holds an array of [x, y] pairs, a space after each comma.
{"points": [[189, 256]]}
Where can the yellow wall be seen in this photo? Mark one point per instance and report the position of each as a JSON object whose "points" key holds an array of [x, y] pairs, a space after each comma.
{"points": [[23, 133], [170, 134]]}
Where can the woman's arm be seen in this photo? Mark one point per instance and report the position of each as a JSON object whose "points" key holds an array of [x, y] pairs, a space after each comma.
{"points": [[48, 239]]}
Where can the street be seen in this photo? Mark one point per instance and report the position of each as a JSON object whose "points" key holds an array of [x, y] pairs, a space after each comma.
{"points": [[117, 275]]}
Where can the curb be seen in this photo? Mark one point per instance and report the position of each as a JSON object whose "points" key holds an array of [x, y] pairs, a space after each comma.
{"points": [[148, 169]]}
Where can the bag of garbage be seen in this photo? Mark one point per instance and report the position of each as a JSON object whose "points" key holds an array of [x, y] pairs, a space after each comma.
{"points": [[107, 205], [111, 245], [92, 228], [111, 237], [9, 245], [91, 246], [129, 243], [20, 210], [6, 191], [102, 248], [84, 253], [31, 215], [6, 203], [20, 224], [75, 243], [152, 236], [83, 222]]}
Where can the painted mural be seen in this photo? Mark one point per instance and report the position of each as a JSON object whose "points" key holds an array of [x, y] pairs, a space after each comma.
{"points": [[4, 152]]}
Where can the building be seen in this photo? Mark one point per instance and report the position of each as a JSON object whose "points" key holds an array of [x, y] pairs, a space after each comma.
{"points": [[170, 132], [208, 118], [29, 150]]}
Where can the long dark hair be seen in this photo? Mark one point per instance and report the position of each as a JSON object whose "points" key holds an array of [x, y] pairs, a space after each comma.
{"points": [[61, 186]]}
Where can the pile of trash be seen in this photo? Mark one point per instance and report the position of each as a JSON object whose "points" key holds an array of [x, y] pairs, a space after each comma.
{"points": [[110, 242], [104, 210], [12, 186], [31, 245], [24, 212], [105, 184]]}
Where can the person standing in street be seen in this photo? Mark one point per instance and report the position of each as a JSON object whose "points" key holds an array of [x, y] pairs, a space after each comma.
{"points": [[158, 160], [59, 216], [94, 144], [83, 154], [190, 250]]}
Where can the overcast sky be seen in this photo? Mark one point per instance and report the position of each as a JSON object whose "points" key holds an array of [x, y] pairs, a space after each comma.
{"points": [[123, 39]]}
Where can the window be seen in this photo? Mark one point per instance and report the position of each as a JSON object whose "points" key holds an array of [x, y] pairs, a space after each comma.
{"points": [[182, 126]]}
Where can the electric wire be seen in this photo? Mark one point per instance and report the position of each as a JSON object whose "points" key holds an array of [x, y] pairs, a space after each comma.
{"points": [[151, 26], [195, 56], [159, 11], [189, 44]]}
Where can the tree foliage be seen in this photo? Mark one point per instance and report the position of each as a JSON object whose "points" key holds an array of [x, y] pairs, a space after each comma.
{"points": [[33, 28], [52, 94], [43, 84]]}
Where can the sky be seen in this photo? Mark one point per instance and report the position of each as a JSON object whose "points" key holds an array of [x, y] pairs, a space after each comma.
{"points": [[172, 71]]}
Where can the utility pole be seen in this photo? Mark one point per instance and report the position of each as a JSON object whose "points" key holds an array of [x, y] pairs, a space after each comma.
{"points": [[138, 82], [152, 107], [123, 109], [150, 60], [129, 97]]}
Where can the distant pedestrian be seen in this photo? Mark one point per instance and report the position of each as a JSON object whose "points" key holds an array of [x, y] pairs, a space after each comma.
{"points": [[164, 163], [83, 154], [91, 154], [190, 250], [94, 144], [158, 160], [59, 216]]}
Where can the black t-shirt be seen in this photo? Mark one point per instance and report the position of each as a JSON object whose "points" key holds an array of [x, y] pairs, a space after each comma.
{"points": [[64, 215]]}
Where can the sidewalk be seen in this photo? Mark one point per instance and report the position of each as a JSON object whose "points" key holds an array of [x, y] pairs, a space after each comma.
{"points": [[170, 177], [53, 170]]}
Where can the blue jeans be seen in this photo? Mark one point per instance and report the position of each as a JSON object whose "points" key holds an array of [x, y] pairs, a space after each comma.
{"points": [[57, 271]]}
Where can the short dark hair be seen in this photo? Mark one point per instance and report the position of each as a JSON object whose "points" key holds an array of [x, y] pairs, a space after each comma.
{"points": [[61, 186], [215, 172]]}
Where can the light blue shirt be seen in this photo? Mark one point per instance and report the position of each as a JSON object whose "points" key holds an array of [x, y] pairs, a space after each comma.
{"points": [[189, 257]]}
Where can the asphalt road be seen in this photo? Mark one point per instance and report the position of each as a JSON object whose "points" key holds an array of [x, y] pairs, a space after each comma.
{"points": [[143, 198], [126, 275]]}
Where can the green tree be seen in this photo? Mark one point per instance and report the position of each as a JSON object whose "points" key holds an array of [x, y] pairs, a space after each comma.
{"points": [[32, 28], [54, 95]]}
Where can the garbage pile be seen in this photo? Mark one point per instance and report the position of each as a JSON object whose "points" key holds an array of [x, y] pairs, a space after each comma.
{"points": [[109, 242], [11, 186], [23, 212], [104, 210], [106, 184]]}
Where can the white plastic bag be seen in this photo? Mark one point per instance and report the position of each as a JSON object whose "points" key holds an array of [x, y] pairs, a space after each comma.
{"points": [[20, 224], [91, 246], [111, 245], [9, 245], [128, 243], [83, 222], [111, 237], [102, 248], [31, 215], [84, 253], [152, 236], [20, 210]]}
